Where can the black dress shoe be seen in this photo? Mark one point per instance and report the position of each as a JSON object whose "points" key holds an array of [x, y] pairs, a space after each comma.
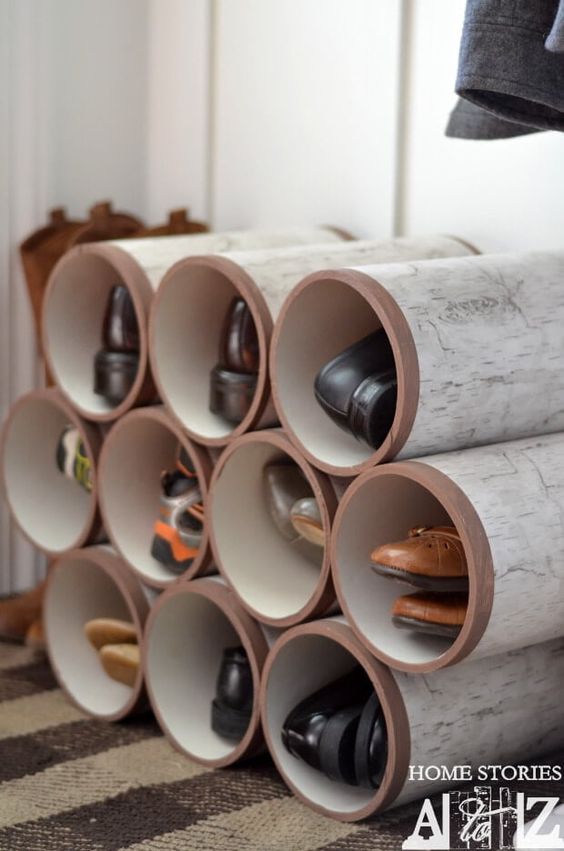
{"points": [[233, 380], [233, 703], [116, 364], [358, 389], [340, 731]]}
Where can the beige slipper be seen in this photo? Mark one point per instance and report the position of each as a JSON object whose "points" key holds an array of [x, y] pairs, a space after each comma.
{"points": [[121, 662], [101, 631]]}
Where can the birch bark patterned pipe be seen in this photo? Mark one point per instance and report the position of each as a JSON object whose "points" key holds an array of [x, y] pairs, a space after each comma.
{"points": [[188, 314], [477, 344], [507, 503], [82, 283], [501, 709]]}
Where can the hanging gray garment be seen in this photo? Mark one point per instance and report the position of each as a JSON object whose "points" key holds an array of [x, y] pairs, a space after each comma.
{"points": [[555, 40], [468, 121], [506, 69]]}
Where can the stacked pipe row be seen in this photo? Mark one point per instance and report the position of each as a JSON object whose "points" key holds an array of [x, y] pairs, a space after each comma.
{"points": [[478, 353]]}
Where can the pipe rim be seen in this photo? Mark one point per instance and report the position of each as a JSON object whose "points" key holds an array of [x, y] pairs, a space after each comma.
{"points": [[399, 334], [138, 608], [202, 465], [129, 273], [93, 442], [324, 593], [244, 286], [252, 640], [393, 706], [476, 548]]}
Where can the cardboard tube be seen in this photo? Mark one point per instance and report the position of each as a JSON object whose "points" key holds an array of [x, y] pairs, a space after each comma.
{"points": [[53, 512], [137, 449], [276, 582], [477, 345], [499, 710], [189, 627], [506, 501], [83, 585], [78, 290], [189, 310]]}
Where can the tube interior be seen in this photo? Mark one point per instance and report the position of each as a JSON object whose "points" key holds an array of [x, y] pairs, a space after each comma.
{"points": [[184, 653], [326, 318], [80, 591], [269, 573], [135, 455], [301, 667], [51, 508], [382, 511], [188, 320], [74, 317]]}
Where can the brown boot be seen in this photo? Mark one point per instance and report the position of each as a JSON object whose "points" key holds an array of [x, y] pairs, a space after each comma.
{"points": [[435, 614], [121, 662], [104, 223], [18, 613], [179, 222], [431, 558]]}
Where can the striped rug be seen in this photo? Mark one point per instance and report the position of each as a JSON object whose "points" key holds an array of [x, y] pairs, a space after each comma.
{"points": [[68, 783]]}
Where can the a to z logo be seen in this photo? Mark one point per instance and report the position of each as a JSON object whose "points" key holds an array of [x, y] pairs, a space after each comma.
{"points": [[483, 819]]}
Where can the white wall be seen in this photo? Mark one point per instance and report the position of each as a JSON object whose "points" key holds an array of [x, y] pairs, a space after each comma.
{"points": [[255, 112]]}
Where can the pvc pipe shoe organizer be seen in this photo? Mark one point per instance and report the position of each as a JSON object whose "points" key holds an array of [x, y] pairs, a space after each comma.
{"points": [[187, 631], [501, 709], [139, 447], [188, 314], [81, 586], [507, 503], [52, 510], [477, 343], [275, 581], [79, 287]]}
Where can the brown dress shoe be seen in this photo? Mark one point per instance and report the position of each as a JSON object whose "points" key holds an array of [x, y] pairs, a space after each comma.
{"points": [[102, 631], [435, 614], [179, 222], [121, 662], [431, 558], [17, 614]]}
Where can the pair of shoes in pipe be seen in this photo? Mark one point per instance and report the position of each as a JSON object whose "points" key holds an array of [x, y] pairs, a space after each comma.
{"points": [[116, 364], [358, 389], [433, 560], [72, 458], [294, 509], [178, 530], [116, 643], [340, 731], [233, 380], [233, 703]]}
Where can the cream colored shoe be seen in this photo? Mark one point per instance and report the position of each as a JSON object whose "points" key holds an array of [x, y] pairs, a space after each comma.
{"points": [[121, 662], [101, 631]]}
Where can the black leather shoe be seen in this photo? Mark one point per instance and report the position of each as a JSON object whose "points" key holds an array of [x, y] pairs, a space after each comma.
{"points": [[232, 707], [116, 364], [233, 380], [340, 731], [358, 389]]}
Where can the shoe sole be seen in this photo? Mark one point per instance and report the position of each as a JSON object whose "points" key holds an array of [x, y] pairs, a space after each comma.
{"points": [[456, 583], [427, 627], [162, 552], [370, 715], [229, 723]]}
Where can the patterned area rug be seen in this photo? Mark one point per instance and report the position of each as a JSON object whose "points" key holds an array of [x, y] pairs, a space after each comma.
{"points": [[68, 783]]}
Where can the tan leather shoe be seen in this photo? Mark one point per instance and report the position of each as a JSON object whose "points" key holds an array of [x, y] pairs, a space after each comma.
{"points": [[432, 558], [435, 614], [102, 631], [35, 636], [17, 614], [121, 662]]}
